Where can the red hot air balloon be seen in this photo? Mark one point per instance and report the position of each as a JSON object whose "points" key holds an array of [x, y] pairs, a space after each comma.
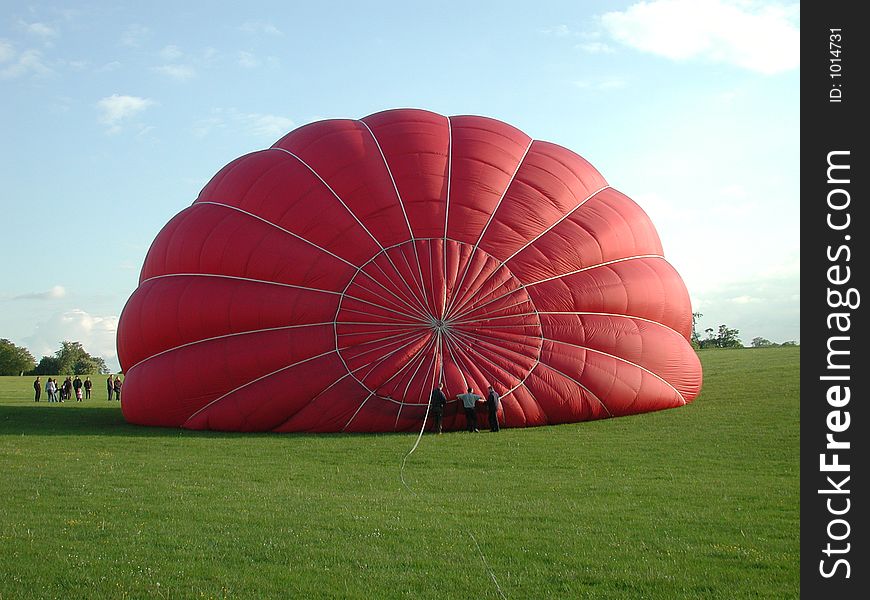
{"points": [[329, 282]]}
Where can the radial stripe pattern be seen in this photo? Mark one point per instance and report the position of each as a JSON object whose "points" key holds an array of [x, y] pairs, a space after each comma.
{"points": [[329, 282]]}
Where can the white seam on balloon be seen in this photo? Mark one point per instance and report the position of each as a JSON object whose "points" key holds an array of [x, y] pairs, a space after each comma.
{"points": [[421, 305], [326, 389], [347, 208], [388, 309], [253, 381], [625, 360], [307, 241], [590, 267], [406, 337], [423, 357], [417, 337], [223, 336], [485, 227], [252, 280], [374, 365], [489, 357], [311, 402], [464, 367], [447, 210], [566, 376], [275, 225], [422, 350], [447, 342], [401, 204], [284, 369], [277, 283], [345, 335], [606, 314], [604, 264], [411, 308], [481, 338], [425, 298], [484, 316], [380, 316], [476, 295], [537, 237], [371, 260], [371, 366]]}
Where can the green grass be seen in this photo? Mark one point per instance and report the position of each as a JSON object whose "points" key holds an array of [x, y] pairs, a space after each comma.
{"points": [[696, 502]]}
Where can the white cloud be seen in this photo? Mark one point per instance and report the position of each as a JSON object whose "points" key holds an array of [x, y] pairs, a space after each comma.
{"points": [[7, 52], [171, 53], [177, 72], [594, 47], [109, 66], [134, 35], [204, 127], [260, 28], [96, 334], [117, 109], [248, 60], [270, 126], [561, 30], [40, 30], [602, 85], [54, 293], [765, 40], [256, 124], [17, 65]]}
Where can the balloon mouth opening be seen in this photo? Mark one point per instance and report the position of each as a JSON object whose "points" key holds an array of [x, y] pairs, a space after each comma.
{"points": [[429, 310]]}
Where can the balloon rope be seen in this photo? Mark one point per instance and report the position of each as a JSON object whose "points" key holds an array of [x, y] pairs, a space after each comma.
{"points": [[428, 406], [486, 564], [440, 355]]}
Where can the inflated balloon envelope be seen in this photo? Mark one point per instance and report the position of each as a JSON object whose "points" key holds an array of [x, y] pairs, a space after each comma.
{"points": [[329, 282]]}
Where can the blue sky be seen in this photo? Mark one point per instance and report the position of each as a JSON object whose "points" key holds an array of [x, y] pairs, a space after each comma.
{"points": [[115, 114]]}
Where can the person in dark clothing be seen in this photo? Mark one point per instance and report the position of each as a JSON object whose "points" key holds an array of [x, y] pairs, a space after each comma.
{"points": [[77, 387], [118, 385], [37, 388], [437, 402], [469, 401], [110, 386], [88, 385], [492, 402]]}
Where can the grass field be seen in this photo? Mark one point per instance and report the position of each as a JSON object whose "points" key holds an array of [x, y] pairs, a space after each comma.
{"points": [[696, 502]]}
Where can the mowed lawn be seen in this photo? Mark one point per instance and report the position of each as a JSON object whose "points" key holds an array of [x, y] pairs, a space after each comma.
{"points": [[696, 502]]}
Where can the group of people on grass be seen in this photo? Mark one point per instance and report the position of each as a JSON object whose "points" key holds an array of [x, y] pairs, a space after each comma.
{"points": [[470, 401], [81, 390]]}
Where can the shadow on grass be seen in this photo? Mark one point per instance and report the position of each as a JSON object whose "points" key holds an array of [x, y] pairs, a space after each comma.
{"points": [[59, 420], [33, 419]]}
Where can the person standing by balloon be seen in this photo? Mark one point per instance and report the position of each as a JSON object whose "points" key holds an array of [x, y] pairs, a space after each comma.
{"points": [[492, 402], [469, 401], [438, 401]]}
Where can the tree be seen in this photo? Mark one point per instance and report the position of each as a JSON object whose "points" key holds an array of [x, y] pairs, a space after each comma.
{"points": [[760, 342], [14, 360], [71, 358], [48, 365], [696, 339], [727, 338]]}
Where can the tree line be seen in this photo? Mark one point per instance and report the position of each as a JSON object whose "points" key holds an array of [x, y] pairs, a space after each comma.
{"points": [[71, 358], [726, 337]]}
